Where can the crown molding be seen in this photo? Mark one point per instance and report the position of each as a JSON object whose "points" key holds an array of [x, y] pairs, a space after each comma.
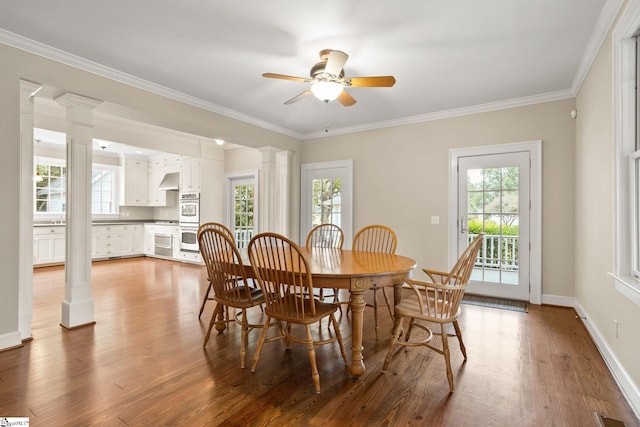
{"points": [[606, 19], [447, 114], [52, 53]]}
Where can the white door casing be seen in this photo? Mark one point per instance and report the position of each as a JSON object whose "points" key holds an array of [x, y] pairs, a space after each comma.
{"points": [[526, 157]]}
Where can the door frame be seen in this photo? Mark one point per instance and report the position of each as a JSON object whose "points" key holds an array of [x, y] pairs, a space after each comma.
{"points": [[534, 148]]}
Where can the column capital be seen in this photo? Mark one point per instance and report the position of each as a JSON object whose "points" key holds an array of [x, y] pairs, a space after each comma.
{"points": [[72, 100]]}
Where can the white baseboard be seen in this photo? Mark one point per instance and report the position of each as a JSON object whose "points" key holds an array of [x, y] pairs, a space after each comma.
{"points": [[626, 384], [10, 340], [558, 300]]}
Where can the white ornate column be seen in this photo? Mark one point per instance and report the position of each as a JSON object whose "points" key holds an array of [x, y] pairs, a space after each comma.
{"points": [[267, 187], [77, 307], [25, 243], [283, 181]]}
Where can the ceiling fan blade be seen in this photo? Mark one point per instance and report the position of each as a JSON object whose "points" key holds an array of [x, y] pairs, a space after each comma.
{"points": [[298, 97], [373, 81], [345, 99], [335, 62], [284, 77]]}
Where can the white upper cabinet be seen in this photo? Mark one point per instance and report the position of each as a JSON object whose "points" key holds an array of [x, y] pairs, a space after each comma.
{"points": [[134, 183], [158, 167], [190, 174]]}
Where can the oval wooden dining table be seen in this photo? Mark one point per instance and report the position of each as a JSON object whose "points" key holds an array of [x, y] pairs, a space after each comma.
{"points": [[355, 271]]}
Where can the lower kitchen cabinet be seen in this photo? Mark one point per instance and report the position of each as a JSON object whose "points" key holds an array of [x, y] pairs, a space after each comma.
{"points": [[48, 245], [191, 257], [116, 240]]}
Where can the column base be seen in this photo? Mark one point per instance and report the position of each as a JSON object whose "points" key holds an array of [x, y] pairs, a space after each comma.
{"points": [[77, 313]]}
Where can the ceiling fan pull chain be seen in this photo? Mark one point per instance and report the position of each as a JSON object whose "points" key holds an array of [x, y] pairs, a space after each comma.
{"points": [[326, 121]]}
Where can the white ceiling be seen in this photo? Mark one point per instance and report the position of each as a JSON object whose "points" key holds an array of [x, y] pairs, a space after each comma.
{"points": [[448, 56]]}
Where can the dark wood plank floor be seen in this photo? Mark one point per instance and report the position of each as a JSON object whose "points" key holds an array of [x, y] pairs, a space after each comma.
{"points": [[142, 364]]}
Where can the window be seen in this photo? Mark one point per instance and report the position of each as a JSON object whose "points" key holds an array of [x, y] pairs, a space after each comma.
{"points": [[103, 194], [326, 201], [243, 213], [627, 157], [51, 187]]}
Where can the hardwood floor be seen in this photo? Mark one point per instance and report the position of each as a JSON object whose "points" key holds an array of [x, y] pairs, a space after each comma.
{"points": [[142, 364]]}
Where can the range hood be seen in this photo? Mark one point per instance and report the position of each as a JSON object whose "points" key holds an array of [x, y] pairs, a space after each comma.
{"points": [[171, 181]]}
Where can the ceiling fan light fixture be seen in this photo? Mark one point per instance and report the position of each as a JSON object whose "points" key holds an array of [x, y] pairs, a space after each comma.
{"points": [[326, 91]]}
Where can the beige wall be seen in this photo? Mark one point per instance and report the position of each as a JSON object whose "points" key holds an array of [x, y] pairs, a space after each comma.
{"points": [[401, 179], [594, 217], [242, 159]]}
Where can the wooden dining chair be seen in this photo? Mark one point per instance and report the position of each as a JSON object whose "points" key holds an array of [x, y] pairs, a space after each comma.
{"points": [[284, 276], [382, 239], [436, 301], [326, 236], [229, 233], [229, 283]]}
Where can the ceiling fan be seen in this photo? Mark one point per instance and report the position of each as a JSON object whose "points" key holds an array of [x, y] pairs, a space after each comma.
{"points": [[328, 80]]}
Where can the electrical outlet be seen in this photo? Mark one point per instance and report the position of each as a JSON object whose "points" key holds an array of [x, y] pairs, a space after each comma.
{"points": [[615, 323]]}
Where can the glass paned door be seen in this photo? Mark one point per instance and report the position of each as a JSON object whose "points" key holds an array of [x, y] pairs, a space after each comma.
{"points": [[326, 197], [243, 216], [494, 200]]}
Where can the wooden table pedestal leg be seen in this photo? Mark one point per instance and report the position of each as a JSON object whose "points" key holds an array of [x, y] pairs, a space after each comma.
{"points": [[221, 325], [357, 311]]}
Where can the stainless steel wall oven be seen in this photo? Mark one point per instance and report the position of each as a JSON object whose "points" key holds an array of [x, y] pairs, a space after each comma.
{"points": [[189, 221]]}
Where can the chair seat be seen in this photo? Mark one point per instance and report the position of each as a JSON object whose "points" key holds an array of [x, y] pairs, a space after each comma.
{"points": [[293, 312], [230, 297], [411, 308]]}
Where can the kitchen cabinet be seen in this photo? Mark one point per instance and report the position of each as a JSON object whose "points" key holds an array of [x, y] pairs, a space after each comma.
{"points": [[159, 166], [149, 232], [48, 245], [190, 175], [189, 256], [138, 239], [116, 240], [134, 183], [156, 197]]}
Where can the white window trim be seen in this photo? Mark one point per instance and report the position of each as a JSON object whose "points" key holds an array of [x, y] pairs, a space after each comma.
{"points": [[624, 57]]}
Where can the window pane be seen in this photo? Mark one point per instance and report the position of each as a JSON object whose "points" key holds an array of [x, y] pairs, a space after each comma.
{"points": [[326, 201]]}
